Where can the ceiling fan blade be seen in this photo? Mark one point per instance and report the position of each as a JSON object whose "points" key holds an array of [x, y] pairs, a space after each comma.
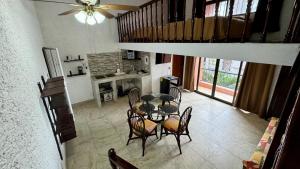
{"points": [[119, 7], [57, 2], [97, 3], [69, 12], [105, 13]]}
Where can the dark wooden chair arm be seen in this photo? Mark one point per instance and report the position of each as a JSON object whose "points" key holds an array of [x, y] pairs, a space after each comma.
{"points": [[117, 162]]}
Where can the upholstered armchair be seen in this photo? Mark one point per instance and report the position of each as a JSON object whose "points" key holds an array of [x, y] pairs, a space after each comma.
{"points": [[178, 125], [140, 128]]}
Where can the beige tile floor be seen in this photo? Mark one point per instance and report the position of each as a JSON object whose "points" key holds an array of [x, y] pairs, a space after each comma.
{"points": [[222, 137]]}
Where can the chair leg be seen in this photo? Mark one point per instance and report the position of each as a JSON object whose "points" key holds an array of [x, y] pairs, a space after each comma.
{"points": [[178, 142], [156, 133], [143, 145], [188, 133], [129, 137], [161, 131]]}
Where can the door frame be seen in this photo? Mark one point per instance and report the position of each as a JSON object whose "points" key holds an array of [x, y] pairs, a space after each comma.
{"points": [[212, 95]]}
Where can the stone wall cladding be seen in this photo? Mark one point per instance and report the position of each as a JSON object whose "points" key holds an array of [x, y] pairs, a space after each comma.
{"points": [[106, 63], [26, 139]]}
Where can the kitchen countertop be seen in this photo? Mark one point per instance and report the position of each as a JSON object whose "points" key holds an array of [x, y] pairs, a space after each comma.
{"points": [[119, 77], [113, 80]]}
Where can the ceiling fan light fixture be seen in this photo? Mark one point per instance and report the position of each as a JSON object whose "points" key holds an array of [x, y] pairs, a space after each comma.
{"points": [[81, 17], [91, 20], [99, 17]]}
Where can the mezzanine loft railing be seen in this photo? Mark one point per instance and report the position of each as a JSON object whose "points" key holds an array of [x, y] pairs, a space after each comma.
{"points": [[210, 21]]}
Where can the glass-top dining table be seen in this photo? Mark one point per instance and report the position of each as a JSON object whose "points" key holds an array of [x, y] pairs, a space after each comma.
{"points": [[157, 106]]}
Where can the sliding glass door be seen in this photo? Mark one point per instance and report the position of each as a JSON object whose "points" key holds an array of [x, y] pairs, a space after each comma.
{"points": [[206, 74], [219, 78]]}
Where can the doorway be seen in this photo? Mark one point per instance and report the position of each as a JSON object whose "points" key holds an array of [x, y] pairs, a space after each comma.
{"points": [[53, 62], [177, 67], [219, 78]]}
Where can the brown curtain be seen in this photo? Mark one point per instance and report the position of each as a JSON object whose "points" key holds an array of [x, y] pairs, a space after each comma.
{"points": [[255, 87], [189, 73]]}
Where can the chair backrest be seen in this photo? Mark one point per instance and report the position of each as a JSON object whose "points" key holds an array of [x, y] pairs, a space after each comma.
{"points": [[136, 122], [185, 119], [176, 93], [134, 96], [117, 162]]}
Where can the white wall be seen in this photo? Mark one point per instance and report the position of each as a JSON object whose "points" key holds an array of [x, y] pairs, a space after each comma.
{"points": [[26, 139], [73, 38], [158, 71]]}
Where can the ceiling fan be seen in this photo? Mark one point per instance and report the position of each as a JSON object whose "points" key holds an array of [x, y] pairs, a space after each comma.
{"points": [[91, 11]]}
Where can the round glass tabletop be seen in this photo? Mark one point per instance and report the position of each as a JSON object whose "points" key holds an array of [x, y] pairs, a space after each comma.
{"points": [[147, 98], [147, 107], [168, 109]]}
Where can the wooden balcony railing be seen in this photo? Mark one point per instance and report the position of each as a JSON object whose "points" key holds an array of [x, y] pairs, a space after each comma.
{"points": [[159, 21]]}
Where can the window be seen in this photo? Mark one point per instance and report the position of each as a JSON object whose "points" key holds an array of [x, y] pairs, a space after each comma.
{"points": [[218, 78]]}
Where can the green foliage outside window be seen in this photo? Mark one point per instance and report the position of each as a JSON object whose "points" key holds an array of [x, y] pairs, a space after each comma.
{"points": [[224, 79]]}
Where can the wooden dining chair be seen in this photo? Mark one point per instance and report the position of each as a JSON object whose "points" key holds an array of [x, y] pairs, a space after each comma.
{"points": [[176, 94], [178, 125], [134, 98], [140, 127]]}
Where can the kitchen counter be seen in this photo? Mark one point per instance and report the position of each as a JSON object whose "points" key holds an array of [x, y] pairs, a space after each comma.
{"points": [[144, 84], [119, 77]]}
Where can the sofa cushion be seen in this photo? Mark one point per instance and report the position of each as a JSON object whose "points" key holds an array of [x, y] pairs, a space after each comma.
{"points": [[263, 146]]}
